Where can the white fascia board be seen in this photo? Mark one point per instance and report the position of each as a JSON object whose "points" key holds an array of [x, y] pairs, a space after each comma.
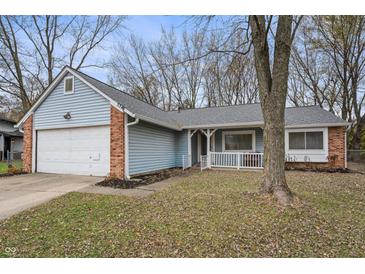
{"points": [[340, 124], [261, 124], [156, 122], [226, 125]]}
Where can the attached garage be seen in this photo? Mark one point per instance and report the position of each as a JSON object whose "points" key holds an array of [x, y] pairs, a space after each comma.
{"points": [[80, 151]]}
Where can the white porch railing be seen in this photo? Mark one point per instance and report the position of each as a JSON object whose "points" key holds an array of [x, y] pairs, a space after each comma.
{"points": [[186, 161], [203, 162], [237, 159]]}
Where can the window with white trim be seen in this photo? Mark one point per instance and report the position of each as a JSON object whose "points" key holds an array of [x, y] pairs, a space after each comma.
{"points": [[311, 140], [68, 85], [239, 141]]}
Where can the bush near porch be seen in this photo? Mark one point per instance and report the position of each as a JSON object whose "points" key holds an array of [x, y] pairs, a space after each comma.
{"points": [[17, 164], [207, 214]]}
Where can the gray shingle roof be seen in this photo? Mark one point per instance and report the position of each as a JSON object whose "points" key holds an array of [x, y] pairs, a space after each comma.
{"points": [[310, 115], [252, 114], [7, 127], [134, 105], [249, 114]]}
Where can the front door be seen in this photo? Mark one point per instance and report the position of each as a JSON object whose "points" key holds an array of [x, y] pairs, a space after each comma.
{"points": [[7, 146]]}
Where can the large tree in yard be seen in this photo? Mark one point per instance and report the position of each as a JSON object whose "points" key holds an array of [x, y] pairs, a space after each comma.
{"points": [[273, 86]]}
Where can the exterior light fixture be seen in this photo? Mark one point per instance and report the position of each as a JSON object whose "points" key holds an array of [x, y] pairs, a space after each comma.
{"points": [[67, 116]]}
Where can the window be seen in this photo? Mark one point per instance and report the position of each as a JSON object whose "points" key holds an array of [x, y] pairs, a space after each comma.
{"points": [[314, 140], [306, 140], [239, 141], [69, 85], [296, 140]]}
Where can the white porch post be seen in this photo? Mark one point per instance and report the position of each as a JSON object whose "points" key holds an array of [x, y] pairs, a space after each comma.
{"points": [[199, 145], [189, 149], [208, 148]]}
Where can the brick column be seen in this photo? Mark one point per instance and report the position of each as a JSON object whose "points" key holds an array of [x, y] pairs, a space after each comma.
{"points": [[116, 143], [28, 144], [336, 146]]}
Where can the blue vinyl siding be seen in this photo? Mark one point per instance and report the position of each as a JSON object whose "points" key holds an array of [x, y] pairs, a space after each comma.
{"points": [[85, 105], [258, 133], [151, 148], [194, 149], [181, 146]]}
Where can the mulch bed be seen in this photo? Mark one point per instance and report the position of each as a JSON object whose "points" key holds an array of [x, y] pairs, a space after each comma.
{"points": [[324, 170], [141, 180], [12, 174]]}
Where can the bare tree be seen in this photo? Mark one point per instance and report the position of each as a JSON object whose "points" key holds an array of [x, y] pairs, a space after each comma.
{"points": [[230, 80], [312, 78], [273, 86], [12, 79], [87, 34], [342, 38], [180, 79], [33, 48], [132, 71], [140, 68], [44, 32]]}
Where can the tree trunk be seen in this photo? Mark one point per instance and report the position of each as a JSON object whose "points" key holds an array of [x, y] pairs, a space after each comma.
{"points": [[273, 88], [274, 154], [356, 141]]}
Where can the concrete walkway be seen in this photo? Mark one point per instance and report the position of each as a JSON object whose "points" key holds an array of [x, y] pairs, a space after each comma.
{"points": [[138, 192], [21, 192]]}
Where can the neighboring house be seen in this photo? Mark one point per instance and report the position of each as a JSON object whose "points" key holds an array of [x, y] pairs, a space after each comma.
{"points": [[83, 126], [10, 140]]}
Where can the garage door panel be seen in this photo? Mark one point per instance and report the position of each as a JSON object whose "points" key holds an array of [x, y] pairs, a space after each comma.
{"points": [[81, 151]]}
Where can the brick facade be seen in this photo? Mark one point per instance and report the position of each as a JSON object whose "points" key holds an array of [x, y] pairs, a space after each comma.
{"points": [[28, 144], [117, 138], [336, 152], [337, 146]]}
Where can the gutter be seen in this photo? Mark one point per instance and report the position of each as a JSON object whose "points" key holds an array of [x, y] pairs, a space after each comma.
{"points": [[126, 144], [135, 122], [19, 128]]}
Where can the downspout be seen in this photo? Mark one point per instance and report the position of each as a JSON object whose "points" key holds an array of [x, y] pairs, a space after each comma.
{"points": [[126, 156], [19, 128], [135, 122], [347, 130]]}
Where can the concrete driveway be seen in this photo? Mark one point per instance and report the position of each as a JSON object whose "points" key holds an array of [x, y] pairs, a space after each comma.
{"points": [[21, 192]]}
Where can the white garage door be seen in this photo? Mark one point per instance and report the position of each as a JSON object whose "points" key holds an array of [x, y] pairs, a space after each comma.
{"points": [[80, 151]]}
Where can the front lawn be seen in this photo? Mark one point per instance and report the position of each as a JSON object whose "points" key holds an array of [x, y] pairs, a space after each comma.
{"points": [[208, 214], [18, 164]]}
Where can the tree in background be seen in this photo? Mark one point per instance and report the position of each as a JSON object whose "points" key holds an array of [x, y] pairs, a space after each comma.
{"points": [[33, 48], [189, 70], [328, 68]]}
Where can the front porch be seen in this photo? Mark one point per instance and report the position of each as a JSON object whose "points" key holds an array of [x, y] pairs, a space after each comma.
{"points": [[238, 148]]}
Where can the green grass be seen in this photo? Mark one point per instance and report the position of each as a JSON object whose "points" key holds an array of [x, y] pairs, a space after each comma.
{"points": [[18, 164], [208, 214]]}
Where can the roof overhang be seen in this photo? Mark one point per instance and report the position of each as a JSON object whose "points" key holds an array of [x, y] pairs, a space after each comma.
{"points": [[226, 125], [261, 124], [56, 81], [157, 122], [339, 124]]}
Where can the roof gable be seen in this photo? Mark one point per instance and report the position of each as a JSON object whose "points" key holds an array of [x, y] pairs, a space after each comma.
{"points": [[84, 104]]}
